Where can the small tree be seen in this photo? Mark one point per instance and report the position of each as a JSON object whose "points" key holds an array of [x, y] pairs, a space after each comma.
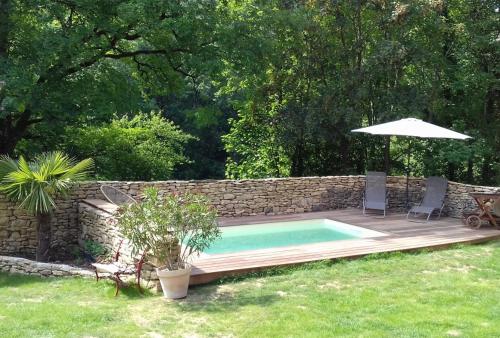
{"points": [[169, 228], [35, 185]]}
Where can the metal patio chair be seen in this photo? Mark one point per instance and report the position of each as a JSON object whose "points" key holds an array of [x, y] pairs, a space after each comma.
{"points": [[116, 196], [375, 195], [116, 269], [435, 192]]}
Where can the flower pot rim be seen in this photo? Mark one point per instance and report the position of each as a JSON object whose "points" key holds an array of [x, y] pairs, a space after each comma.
{"points": [[164, 273], [187, 266]]}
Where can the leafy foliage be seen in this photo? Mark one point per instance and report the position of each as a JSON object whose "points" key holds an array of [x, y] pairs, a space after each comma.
{"points": [[94, 249], [63, 59], [36, 184], [144, 147], [284, 81], [159, 224], [321, 69]]}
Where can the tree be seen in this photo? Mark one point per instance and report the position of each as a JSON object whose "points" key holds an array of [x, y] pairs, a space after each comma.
{"points": [[35, 185], [285, 81], [63, 58], [320, 69], [144, 147]]}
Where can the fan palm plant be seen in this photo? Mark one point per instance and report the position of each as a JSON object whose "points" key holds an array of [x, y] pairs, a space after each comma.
{"points": [[36, 184]]}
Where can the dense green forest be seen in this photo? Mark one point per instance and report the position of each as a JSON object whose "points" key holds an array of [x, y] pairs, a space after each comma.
{"points": [[186, 89]]}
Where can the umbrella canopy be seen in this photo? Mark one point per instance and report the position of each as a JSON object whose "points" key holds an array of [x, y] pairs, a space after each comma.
{"points": [[412, 127]]}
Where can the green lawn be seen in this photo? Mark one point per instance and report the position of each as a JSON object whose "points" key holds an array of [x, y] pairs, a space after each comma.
{"points": [[455, 292]]}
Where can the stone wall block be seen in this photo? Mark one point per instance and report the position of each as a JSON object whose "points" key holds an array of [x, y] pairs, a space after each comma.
{"points": [[231, 198]]}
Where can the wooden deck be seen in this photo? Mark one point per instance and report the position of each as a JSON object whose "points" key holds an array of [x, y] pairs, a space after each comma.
{"points": [[402, 235]]}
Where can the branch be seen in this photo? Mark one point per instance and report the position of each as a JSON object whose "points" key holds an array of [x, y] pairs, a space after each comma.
{"points": [[70, 70], [124, 54], [33, 121], [141, 65], [133, 54], [178, 69]]}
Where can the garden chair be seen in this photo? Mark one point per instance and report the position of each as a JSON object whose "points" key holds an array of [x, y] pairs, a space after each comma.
{"points": [[116, 269], [435, 191], [116, 196], [496, 207], [375, 194]]}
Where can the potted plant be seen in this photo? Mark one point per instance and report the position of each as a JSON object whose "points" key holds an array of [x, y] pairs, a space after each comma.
{"points": [[170, 229], [35, 185]]}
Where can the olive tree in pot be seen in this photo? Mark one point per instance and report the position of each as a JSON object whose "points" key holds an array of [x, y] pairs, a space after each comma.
{"points": [[35, 185], [170, 229]]}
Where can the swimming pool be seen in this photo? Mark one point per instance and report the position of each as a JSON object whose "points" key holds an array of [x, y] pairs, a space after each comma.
{"points": [[279, 234]]}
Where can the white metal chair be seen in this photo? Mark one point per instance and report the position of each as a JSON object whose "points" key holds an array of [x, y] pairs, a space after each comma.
{"points": [[116, 196]]}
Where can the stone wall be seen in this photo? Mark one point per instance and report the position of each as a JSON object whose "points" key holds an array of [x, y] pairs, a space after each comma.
{"points": [[29, 267], [18, 229], [231, 198], [458, 199], [99, 225]]}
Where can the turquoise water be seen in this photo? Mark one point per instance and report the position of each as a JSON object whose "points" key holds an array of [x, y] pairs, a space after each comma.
{"points": [[279, 234]]}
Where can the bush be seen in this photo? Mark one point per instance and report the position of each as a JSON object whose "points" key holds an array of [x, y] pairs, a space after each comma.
{"points": [[158, 224], [145, 147], [94, 249]]}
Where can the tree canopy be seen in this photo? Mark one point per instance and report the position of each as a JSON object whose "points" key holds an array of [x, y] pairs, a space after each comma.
{"points": [[63, 59], [268, 88]]}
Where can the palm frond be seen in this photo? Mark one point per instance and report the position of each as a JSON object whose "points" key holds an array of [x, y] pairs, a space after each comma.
{"points": [[7, 165], [36, 184], [79, 171]]}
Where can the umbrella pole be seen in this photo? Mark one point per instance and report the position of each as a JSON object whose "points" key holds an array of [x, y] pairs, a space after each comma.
{"points": [[408, 175]]}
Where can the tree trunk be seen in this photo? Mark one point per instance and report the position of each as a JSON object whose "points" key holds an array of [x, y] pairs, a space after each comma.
{"points": [[387, 155], [7, 142], [8, 137], [451, 171], [298, 166], [5, 8], [43, 236], [13, 129], [470, 171], [486, 172]]}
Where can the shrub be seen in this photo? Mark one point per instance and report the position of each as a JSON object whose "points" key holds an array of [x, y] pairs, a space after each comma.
{"points": [[169, 228], [145, 147]]}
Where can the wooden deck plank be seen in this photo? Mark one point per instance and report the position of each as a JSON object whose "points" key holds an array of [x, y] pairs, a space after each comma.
{"points": [[363, 249], [339, 245], [329, 247], [401, 235]]}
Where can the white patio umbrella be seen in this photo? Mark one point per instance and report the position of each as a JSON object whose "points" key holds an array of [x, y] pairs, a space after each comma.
{"points": [[413, 128]]}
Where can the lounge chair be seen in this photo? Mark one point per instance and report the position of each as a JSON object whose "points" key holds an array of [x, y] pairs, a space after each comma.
{"points": [[435, 191], [375, 195]]}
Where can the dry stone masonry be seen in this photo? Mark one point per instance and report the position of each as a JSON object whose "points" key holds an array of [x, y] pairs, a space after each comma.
{"points": [[29, 267], [232, 198]]}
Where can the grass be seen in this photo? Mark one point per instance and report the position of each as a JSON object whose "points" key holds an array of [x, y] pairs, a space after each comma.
{"points": [[453, 292]]}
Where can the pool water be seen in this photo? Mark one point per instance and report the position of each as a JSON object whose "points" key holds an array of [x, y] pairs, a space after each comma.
{"points": [[279, 234]]}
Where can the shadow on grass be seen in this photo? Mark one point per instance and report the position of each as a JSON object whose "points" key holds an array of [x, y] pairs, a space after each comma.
{"points": [[15, 280], [131, 291], [212, 299], [105, 286]]}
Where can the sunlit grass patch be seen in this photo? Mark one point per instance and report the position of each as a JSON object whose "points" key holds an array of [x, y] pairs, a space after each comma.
{"points": [[440, 293]]}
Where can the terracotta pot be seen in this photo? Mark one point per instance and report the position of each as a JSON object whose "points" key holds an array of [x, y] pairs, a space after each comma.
{"points": [[174, 283]]}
